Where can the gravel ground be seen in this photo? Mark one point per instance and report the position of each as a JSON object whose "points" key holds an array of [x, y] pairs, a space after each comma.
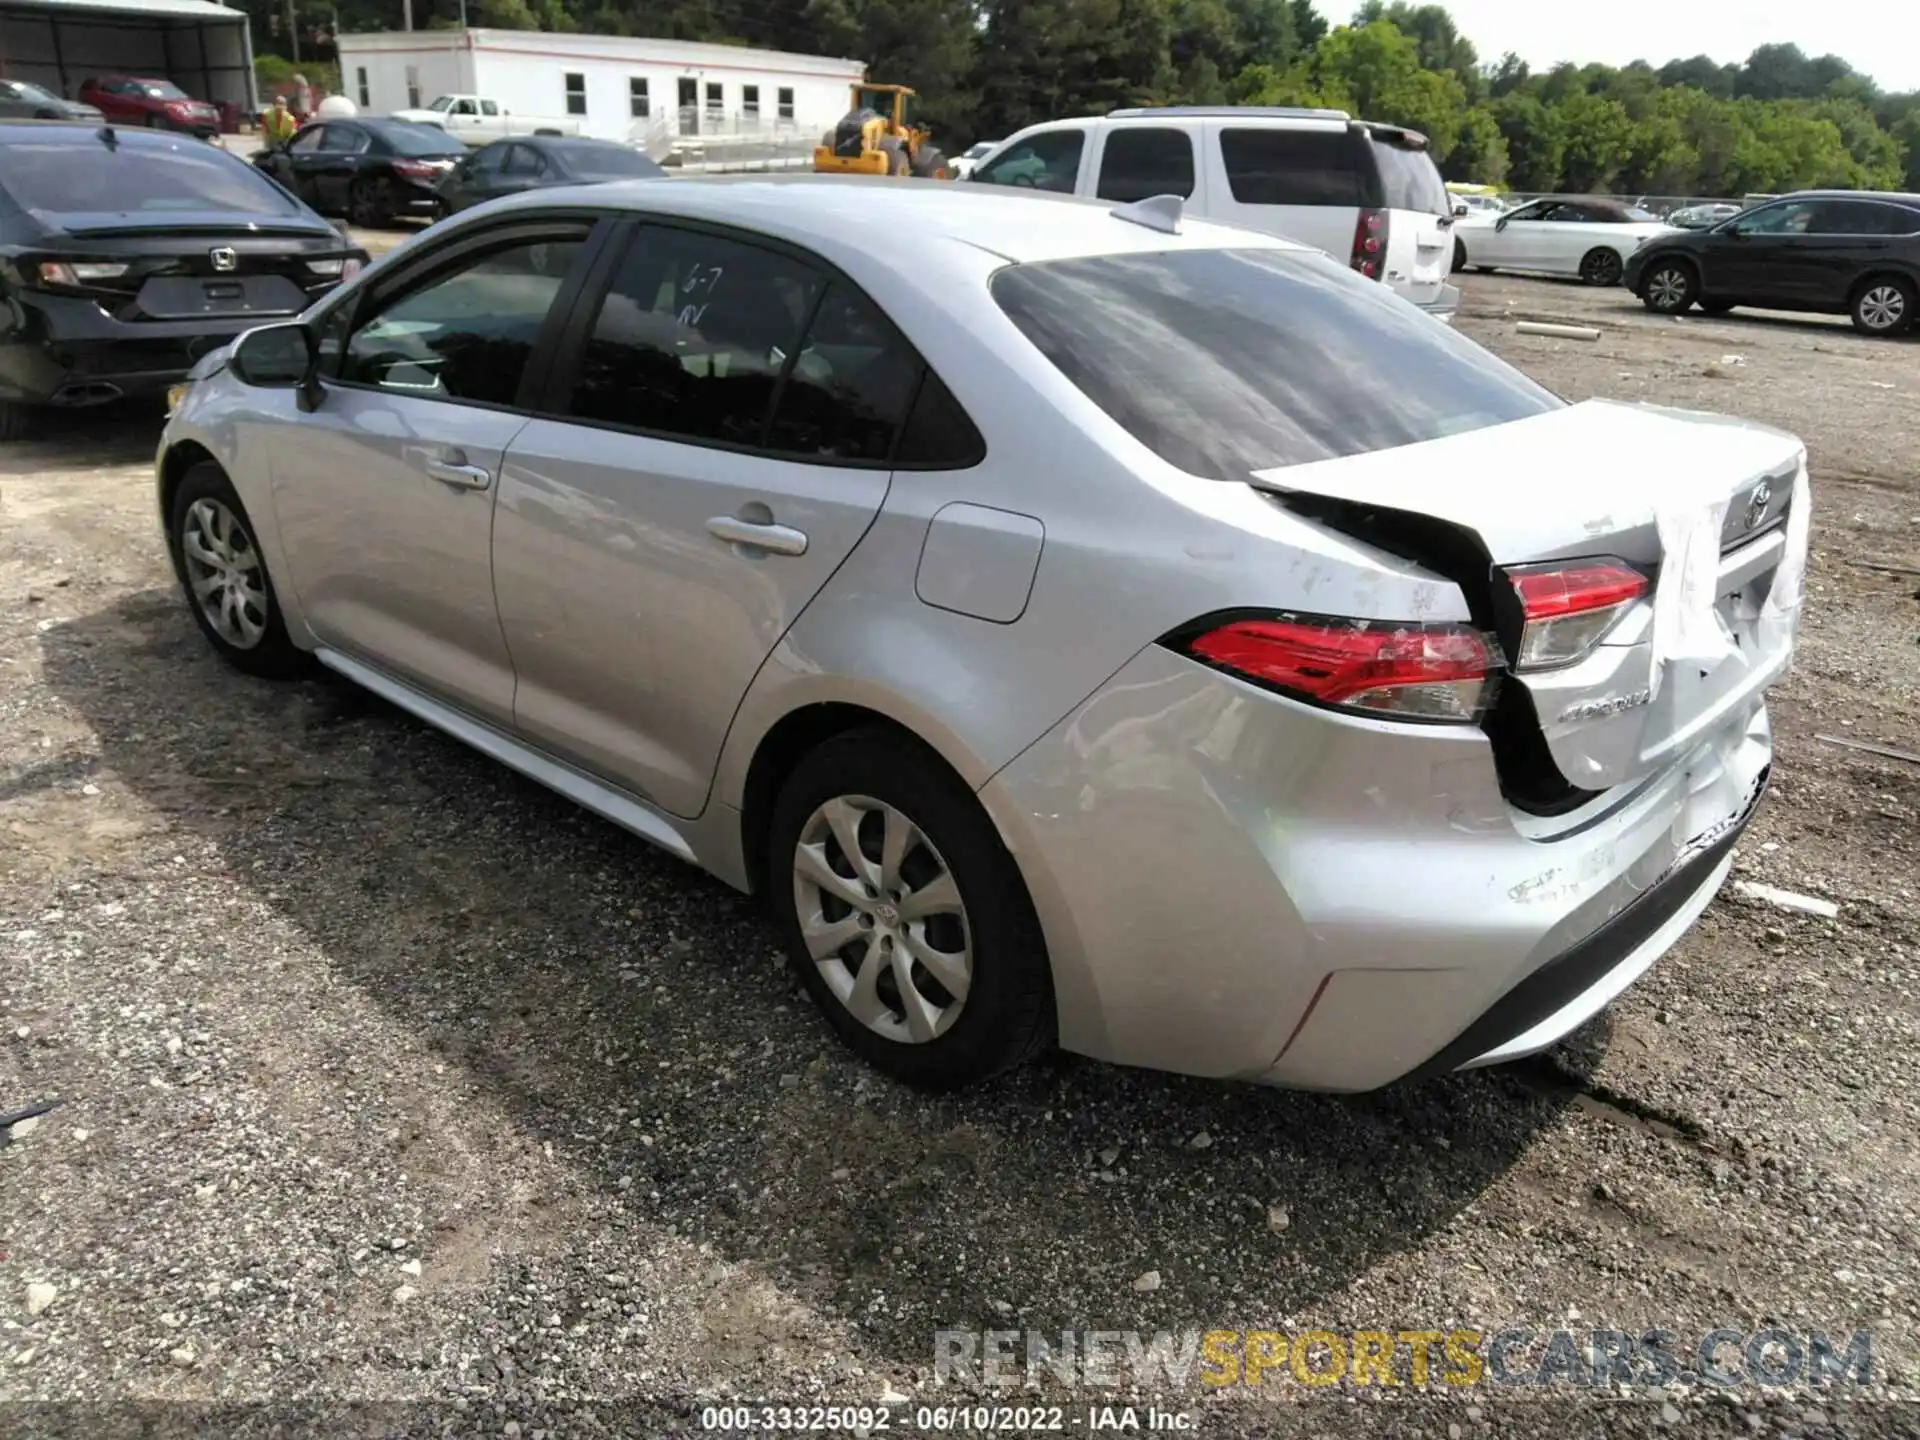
{"points": [[389, 1077]]}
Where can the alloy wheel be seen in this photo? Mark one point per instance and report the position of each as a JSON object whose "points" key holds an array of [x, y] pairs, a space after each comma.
{"points": [[224, 573], [1603, 268], [882, 918], [1667, 288], [1883, 307]]}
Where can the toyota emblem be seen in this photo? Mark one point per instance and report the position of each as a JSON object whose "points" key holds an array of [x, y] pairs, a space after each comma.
{"points": [[224, 259], [1757, 504]]}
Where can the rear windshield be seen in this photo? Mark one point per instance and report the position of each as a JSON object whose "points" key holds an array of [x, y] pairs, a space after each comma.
{"points": [[1409, 180], [420, 139], [97, 179], [1226, 362], [610, 161]]}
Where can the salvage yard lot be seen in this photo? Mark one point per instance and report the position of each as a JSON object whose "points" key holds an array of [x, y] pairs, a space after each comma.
{"points": [[389, 1075]]}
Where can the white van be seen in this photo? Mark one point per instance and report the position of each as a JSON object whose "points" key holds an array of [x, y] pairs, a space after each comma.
{"points": [[1365, 193]]}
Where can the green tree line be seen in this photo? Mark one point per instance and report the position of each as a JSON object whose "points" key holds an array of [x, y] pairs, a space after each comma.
{"points": [[1781, 120]]}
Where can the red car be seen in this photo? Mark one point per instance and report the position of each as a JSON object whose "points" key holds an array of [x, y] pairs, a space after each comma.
{"points": [[159, 104]]}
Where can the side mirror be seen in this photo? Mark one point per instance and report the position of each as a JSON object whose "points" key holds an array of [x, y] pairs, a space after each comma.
{"points": [[1501, 223], [276, 357], [1460, 210]]}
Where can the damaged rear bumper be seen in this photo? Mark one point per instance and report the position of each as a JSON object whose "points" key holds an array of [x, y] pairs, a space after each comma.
{"points": [[1233, 884]]}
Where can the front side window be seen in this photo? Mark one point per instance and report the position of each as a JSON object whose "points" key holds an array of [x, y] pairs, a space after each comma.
{"points": [[691, 337], [1271, 166], [1139, 162], [576, 93], [465, 335], [1227, 362], [1047, 161], [1795, 217], [463, 107], [308, 141]]}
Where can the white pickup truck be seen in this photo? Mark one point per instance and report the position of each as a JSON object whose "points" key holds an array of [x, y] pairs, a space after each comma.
{"points": [[477, 120]]}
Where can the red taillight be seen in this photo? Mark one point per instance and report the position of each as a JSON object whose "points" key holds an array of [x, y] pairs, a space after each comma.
{"points": [[1370, 243], [415, 170], [1569, 607], [1404, 671]]}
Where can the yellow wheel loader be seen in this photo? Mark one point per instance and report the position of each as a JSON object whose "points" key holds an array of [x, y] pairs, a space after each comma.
{"points": [[876, 138]]}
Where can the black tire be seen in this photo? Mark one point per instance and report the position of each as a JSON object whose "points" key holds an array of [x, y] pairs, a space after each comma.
{"points": [[1601, 266], [1715, 307], [1668, 287], [930, 164], [1006, 1017], [369, 203], [1486, 269], [1882, 306], [1459, 256], [17, 420], [273, 655]]}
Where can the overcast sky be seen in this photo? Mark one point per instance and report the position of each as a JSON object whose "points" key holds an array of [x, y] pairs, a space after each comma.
{"points": [[1881, 38]]}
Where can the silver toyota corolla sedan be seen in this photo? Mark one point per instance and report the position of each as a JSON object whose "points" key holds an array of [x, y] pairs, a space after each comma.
{"points": [[1084, 626]]}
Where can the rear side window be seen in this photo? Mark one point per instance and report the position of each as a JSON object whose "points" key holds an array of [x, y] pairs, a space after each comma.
{"points": [[939, 434], [1866, 217], [691, 337], [94, 178], [1292, 167], [1139, 162], [1409, 180], [849, 388], [1225, 362], [1047, 161]]}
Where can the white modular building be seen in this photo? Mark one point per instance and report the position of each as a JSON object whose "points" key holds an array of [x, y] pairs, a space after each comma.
{"points": [[655, 92]]}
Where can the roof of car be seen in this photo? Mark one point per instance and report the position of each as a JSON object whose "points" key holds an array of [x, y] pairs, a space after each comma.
{"points": [[1898, 197], [1019, 226], [91, 132]]}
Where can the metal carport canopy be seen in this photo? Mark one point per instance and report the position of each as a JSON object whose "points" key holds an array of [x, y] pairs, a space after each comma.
{"points": [[65, 41]]}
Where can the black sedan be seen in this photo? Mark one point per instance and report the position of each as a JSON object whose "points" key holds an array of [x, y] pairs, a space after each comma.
{"points": [[368, 170], [125, 255], [22, 100], [506, 167], [1832, 252]]}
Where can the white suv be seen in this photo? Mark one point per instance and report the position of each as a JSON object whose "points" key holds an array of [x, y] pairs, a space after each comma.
{"points": [[1363, 192]]}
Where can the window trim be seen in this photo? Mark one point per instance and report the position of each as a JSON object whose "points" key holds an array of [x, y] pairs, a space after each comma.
{"points": [[563, 367], [588, 227]]}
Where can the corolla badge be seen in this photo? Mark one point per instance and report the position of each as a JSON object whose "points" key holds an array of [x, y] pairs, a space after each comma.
{"points": [[1606, 705], [1757, 505]]}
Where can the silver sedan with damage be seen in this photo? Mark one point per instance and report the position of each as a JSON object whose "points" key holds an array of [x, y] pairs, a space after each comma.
{"points": [[1082, 625]]}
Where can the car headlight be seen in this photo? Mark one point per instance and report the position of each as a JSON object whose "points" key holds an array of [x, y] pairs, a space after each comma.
{"points": [[176, 393]]}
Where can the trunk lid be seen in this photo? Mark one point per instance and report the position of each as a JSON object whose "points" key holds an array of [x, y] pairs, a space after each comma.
{"points": [[1713, 511]]}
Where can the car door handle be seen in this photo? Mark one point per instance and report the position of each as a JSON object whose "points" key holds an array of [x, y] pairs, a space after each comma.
{"points": [[779, 539], [461, 477]]}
